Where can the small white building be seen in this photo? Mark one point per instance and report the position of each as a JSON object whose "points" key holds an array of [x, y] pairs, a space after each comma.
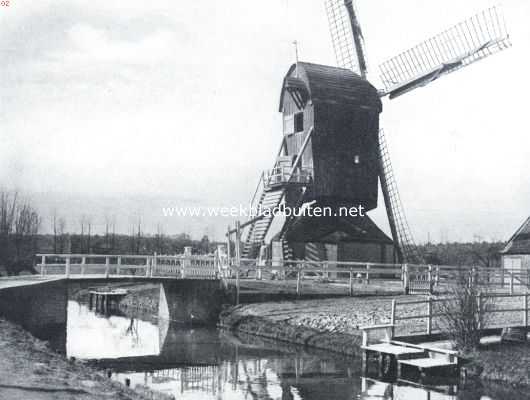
{"points": [[516, 254]]}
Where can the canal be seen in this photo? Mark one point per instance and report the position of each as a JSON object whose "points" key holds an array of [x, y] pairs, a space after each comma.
{"points": [[192, 363]]}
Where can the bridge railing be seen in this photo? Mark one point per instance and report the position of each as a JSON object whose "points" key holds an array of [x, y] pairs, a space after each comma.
{"points": [[177, 266], [420, 279]]}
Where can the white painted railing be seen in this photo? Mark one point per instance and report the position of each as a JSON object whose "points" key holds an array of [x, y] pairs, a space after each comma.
{"points": [[152, 266], [411, 277]]}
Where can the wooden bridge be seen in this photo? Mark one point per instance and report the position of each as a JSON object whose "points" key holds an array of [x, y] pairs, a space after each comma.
{"points": [[345, 277]]}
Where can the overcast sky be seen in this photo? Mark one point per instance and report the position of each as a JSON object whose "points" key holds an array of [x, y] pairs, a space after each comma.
{"points": [[120, 107]]}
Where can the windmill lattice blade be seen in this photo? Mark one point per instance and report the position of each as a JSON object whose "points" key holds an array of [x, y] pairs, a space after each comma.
{"points": [[465, 43], [342, 35], [401, 233]]}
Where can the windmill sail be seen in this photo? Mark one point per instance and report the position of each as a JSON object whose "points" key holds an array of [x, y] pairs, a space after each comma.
{"points": [[465, 43], [401, 234], [346, 35]]}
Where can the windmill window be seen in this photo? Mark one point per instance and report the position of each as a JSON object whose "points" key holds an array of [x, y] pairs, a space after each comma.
{"points": [[299, 122], [293, 123]]}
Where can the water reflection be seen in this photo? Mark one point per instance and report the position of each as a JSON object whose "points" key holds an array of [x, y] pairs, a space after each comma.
{"points": [[205, 363]]}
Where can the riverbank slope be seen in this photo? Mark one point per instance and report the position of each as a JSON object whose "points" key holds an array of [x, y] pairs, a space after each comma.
{"points": [[30, 369], [333, 325]]}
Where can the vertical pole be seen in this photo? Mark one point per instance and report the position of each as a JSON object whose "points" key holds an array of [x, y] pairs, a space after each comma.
{"points": [[147, 265], [367, 274], [406, 279], [118, 268], [511, 282], [393, 316], [480, 311], [43, 265], [238, 244], [351, 283], [429, 278], [107, 267], [228, 251], [429, 315], [298, 282], [153, 266], [502, 276], [525, 318], [83, 265], [237, 286], [67, 269]]}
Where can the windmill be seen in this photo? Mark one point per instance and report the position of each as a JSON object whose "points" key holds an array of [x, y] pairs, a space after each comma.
{"points": [[333, 152]]}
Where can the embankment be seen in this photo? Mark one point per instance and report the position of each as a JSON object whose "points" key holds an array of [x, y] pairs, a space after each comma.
{"points": [[333, 325]]}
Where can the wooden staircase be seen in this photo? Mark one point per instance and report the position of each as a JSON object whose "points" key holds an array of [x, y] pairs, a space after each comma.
{"points": [[269, 199]]}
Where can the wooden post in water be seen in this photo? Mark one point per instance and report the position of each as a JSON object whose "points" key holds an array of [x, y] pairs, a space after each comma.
{"points": [[67, 268]]}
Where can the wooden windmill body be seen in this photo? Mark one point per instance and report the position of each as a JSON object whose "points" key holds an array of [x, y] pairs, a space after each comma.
{"points": [[333, 153]]}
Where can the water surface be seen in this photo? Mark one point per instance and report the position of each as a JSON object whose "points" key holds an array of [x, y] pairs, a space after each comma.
{"points": [[207, 363]]}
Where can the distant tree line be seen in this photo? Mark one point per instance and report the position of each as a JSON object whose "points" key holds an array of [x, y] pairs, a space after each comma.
{"points": [[19, 227], [480, 254]]}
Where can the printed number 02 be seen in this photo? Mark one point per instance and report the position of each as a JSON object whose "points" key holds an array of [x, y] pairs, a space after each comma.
{"points": [[4, 3]]}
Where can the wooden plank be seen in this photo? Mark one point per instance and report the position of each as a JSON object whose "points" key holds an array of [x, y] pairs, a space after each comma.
{"points": [[426, 363], [388, 348]]}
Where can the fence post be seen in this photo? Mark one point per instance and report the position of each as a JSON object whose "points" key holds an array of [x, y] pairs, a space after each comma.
{"points": [[67, 269], [429, 315], [429, 277], [147, 265], [43, 265], [153, 265], [351, 282], [118, 268], [228, 255], [525, 319], [83, 265], [511, 282], [107, 267], [406, 278], [367, 274], [480, 311], [298, 281], [502, 276], [237, 286], [393, 316], [437, 279]]}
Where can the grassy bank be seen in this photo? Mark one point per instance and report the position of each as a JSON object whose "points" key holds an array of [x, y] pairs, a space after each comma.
{"points": [[333, 325], [30, 369]]}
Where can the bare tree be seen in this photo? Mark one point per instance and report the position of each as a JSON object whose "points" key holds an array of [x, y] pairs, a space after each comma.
{"points": [[61, 230], [462, 314]]}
